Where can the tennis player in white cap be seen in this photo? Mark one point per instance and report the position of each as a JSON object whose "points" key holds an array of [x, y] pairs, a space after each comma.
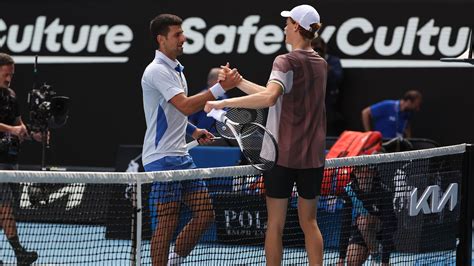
{"points": [[295, 94]]}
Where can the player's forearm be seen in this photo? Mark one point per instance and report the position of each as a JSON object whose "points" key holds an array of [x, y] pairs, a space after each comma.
{"points": [[249, 87], [366, 119], [195, 103], [254, 101]]}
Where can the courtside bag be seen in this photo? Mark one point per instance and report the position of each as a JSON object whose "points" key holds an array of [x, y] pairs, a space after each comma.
{"points": [[350, 143]]}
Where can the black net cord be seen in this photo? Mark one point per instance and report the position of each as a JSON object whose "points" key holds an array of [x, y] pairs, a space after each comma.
{"points": [[464, 249]]}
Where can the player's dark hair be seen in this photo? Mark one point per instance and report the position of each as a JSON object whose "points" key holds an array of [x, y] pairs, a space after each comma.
{"points": [[412, 95], [5, 59], [160, 25]]}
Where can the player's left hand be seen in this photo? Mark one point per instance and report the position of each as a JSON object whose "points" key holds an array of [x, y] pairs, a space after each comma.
{"points": [[202, 136]]}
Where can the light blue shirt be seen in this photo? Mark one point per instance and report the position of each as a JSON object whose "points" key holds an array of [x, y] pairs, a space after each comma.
{"points": [[166, 125]]}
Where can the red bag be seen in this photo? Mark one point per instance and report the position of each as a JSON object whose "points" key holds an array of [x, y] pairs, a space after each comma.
{"points": [[353, 143], [350, 143]]}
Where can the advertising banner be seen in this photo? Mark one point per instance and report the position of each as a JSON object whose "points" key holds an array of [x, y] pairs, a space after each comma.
{"points": [[96, 57]]}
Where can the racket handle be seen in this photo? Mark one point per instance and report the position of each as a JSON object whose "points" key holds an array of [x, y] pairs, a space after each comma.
{"points": [[195, 143], [192, 144]]}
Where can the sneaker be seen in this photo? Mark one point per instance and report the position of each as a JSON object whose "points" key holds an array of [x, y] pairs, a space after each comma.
{"points": [[26, 258]]}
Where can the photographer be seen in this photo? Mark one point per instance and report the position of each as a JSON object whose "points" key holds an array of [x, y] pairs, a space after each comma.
{"points": [[12, 133]]}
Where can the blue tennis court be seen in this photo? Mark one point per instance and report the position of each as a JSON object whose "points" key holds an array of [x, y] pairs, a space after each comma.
{"points": [[61, 244]]}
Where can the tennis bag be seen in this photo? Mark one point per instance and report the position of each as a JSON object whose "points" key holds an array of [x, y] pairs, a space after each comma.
{"points": [[350, 143]]}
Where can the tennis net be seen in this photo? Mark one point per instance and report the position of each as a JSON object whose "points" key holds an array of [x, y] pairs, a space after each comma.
{"points": [[404, 208]]}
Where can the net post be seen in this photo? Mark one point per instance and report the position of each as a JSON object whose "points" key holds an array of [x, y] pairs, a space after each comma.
{"points": [[133, 226], [464, 248], [138, 213]]}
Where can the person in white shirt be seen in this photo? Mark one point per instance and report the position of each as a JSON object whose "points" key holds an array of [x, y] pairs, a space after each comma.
{"points": [[166, 106]]}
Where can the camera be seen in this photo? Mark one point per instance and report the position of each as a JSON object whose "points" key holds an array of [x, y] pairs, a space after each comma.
{"points": [[47, 109]]}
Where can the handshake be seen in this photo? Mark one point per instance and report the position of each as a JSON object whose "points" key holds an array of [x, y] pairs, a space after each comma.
{"points": [[227, 79]]}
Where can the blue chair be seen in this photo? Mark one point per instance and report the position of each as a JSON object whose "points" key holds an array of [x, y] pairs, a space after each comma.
{"points": [[216, 156]]}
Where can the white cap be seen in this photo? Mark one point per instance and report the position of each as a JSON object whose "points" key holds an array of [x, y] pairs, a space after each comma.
{"points": [[305, 15]]}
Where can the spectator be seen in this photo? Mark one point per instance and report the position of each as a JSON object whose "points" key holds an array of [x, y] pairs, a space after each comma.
{"points": [[391, 117], [335, 119]]}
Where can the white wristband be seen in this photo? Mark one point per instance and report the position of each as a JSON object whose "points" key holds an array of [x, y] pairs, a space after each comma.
{"points": [[217, 90], [217, 114]]}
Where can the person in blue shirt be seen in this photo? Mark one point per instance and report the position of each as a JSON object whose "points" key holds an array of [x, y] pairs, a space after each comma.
{"points": [[391, 117], [200, 118]]}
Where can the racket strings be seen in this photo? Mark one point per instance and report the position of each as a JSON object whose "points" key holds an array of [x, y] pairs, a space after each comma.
{"points": [[258, 146], [240, 116], [244, 116], [256, 143], [225, 130]]}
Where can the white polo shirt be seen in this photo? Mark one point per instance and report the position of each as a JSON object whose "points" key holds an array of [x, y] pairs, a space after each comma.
{"points": [[166, 126]]}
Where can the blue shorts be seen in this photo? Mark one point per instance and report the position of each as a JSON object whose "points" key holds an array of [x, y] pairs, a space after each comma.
{"points": [[165, 192]]}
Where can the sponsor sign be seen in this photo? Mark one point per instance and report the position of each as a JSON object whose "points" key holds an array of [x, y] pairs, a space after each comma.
{"points": [[416, 37], [49, 36], [62, 203], [242, 219], [433, 200], [385, 49]]}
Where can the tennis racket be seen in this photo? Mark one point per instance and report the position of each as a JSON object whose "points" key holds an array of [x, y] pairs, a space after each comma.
{"points": [[239, 115], [256, 142]]}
